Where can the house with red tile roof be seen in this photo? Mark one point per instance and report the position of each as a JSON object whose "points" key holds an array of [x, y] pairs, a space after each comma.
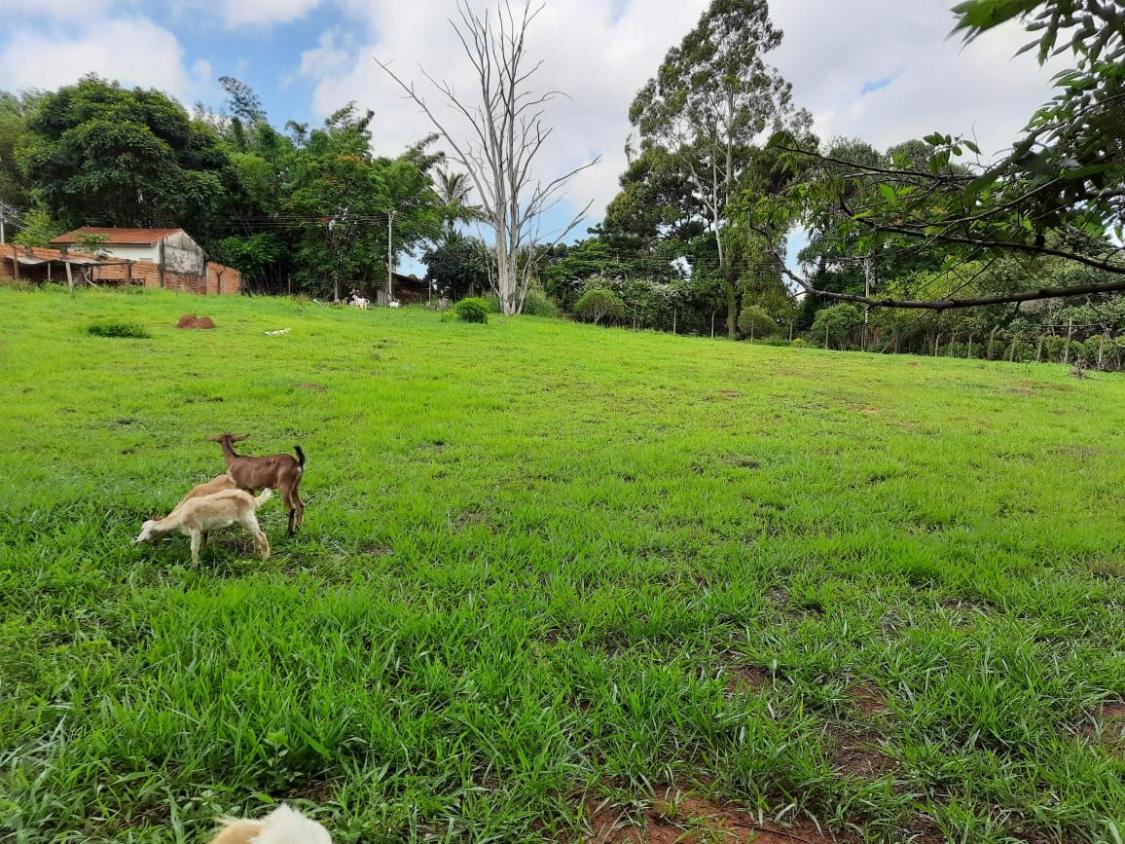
{"points": [[172, 249], [164, 258]]}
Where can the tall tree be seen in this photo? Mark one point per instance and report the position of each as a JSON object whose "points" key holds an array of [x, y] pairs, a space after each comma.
{"points": [[501, 140], [103, 155], [414, 209], [15, 187], [336, 196], [712, 98]]}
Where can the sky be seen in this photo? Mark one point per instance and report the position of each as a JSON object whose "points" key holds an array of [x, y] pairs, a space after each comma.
{"points": [[882, 70]]}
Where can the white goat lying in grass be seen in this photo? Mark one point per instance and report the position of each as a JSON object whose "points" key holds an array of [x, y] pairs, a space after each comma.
{"points": [[282, 826], [197, 517]]}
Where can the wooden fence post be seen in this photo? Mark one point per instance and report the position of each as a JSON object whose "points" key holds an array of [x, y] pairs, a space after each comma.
{"points": [[1069, 334]]}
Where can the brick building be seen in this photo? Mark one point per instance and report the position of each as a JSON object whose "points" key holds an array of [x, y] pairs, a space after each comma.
{"points": [[164, 258]]}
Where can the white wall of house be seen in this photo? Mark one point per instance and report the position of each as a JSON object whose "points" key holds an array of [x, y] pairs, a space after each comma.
{"points": [[177, 253], [130, 253]]}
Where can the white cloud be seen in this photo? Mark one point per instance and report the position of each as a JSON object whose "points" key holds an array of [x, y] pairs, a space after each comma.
{"points": [[601, 52], [598, 52], [332, 55], [134, 51], [832, 51], [57, 9], [261, 12]]}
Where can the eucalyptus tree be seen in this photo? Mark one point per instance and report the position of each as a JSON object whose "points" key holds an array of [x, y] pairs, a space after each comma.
{"points": [[713, 99]]}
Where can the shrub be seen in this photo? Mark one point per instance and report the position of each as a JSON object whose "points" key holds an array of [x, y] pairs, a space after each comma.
{"points": [[835, 325], [755, 322], [536, 304], [799, 342], [493, 303], [119, 329], [472, 310], [596, 303]]}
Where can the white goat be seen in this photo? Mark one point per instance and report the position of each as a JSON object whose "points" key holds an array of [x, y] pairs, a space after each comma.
{"points": [[197, 517], [282, 826], [395, 303], [216, 484], [357, 301]]}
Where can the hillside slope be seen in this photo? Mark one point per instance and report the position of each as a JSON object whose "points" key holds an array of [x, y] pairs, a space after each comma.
{"points": [[549, 570]]}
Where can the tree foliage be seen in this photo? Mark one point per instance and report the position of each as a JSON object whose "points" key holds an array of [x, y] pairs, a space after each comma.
{"points": [[710, 102], [100, 154]]}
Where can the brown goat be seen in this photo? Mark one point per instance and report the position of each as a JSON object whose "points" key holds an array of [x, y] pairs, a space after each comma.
{"points": [[282, 472]]}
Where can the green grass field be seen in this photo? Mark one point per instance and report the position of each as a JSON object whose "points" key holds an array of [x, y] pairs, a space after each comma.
{"points": [[549, 571]]}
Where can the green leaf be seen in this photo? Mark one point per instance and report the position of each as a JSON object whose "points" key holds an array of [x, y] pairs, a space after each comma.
{"points": [[887, 191]]}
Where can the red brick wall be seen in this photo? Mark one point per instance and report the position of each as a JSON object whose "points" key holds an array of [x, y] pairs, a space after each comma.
{"points": [[217, 279], [139, 272], [144, 272], [223, 280]]}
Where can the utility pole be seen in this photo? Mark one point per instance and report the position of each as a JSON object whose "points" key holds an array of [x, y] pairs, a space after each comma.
{"points": [[3, 220], [390, 256]]}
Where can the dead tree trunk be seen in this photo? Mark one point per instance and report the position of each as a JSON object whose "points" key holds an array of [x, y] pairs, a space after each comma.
{"points": [[501, 140]]}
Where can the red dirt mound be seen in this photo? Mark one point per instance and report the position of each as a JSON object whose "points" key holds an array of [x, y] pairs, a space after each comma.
{"points": [[192, 321]]}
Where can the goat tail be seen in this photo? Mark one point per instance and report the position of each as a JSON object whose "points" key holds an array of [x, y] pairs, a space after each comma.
{"points": [[259, 500], [300, 457]]}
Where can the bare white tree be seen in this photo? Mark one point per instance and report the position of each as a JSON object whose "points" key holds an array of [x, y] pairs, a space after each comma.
{"points": [[501, 139]]}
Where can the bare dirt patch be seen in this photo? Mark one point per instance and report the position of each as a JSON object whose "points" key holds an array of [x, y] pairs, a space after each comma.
{"points": [[744, 462], [868, 699], [316, 388], [676, 818], [860, 757], [374, 549], [743, 679], [1109, 723]]}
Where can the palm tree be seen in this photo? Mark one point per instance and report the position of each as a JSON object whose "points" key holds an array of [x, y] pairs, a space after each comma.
{"points": [[454, 193]]}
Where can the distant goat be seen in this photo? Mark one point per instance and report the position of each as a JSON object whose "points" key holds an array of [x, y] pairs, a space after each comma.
{"points": [[357, 301], [394, 303], [197, 517], [282, 472], [282, 826]]}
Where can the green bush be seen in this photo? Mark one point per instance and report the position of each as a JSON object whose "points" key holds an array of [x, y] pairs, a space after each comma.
{"points": [[755, 322], [493, 303], [596, 303], [799, 342], [472, 310], [537, 304], [835, 325], [114, 328]]}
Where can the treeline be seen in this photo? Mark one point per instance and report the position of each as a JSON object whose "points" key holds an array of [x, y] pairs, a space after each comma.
{"points": [[295, 209], [722, 167]]}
